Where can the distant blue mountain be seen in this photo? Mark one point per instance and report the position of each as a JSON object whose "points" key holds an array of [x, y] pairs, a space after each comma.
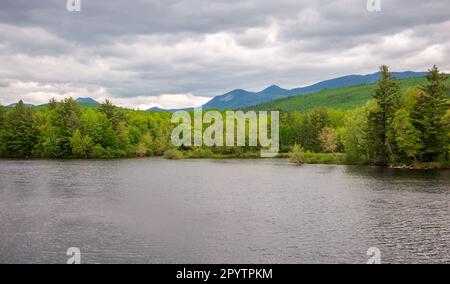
{"points": [[352, 80], [87, 101], [14, 105], [157, 109], [242, 98]]}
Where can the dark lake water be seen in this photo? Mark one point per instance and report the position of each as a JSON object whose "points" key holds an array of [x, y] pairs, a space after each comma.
{"points": [[201, 211]]}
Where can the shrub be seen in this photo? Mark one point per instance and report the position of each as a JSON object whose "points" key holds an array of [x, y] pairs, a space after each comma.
{"points": [[141, 150], [173, 154], [200, 153], [99, 152], [296, 155]]}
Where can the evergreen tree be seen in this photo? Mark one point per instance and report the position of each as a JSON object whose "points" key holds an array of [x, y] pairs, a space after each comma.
{"points": [[52, 104], [111, 114], [18, 136], [387, 98], [431, 106], [67, 120]]}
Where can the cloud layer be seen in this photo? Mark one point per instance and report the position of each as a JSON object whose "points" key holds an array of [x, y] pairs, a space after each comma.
{"points": [[180, 53]]}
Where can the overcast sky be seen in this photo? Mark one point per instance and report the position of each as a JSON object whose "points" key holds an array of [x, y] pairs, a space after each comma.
{"points": [[180, 53]]}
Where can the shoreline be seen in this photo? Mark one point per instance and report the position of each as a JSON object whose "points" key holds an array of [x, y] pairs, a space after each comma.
{"points": [[284, 156]]}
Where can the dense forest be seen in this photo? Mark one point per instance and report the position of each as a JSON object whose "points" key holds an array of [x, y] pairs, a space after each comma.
{"points": [[65, 129], [398, 126]]}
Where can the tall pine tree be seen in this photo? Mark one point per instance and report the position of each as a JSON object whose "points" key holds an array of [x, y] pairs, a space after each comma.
{"points": [[428, 112], [387, 98]]}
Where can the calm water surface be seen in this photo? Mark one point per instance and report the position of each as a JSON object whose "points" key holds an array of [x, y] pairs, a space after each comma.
{"points": [[157, 211]]}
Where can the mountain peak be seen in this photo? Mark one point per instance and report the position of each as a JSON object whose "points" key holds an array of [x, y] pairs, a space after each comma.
{"points": [[157, 109], [90, 101], [273, 89], [237, 92]]}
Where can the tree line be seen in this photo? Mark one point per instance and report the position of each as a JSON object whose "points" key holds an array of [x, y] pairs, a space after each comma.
{"points": [[394, 127], [65, 130]]}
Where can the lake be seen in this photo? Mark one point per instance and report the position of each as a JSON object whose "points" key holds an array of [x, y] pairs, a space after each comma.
{"points": [[224, 211]]}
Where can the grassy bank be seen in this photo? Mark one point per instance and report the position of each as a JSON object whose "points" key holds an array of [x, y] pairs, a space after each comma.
{"points": [[308, 157]]}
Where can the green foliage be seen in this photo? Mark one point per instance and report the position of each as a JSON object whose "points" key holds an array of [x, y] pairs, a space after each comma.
{"points": [[299, 156], [355, 134], [393, 127], [66, 129], [446, 123], [322, 158], [99, 152], [141, 150], [296, 155], [328, 140], [406, 135], [18, 134], [173, 154], [430, 107], [81, 144], [409, 98], [200, 153], [2, 116], [304, 128], [2, 122], [387, 99]]}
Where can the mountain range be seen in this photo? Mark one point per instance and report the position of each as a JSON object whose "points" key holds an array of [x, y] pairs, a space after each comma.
{"points": [[14, 105], [338, 98], [242, 98], [81, 101]]}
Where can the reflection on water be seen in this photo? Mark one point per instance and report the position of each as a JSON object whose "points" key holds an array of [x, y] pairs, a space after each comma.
{"points": [[265, 211]]}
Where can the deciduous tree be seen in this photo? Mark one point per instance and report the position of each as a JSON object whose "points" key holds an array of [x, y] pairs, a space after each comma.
{"points": [[81, 144], [406, 135], [355, 134], [328, 140]]}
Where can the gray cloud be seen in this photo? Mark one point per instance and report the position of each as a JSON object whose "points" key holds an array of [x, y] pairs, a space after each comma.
{"points": [[141, 52]]}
